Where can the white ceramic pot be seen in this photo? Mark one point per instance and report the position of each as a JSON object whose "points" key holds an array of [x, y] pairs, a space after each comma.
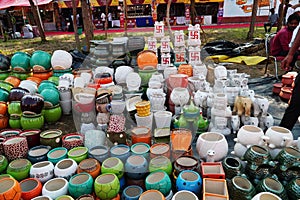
{"points": [[121, 73], [184, 194], [196, 83], [151, 91], [42, 198], [133, 81], [212, 145], [29, 85], [101, 70], [279, 137], [144, 121], [157, 101], [220, 101], [55, 187], [169, 70], [65, 93], [180, 96], [61, 59], [220, 72], [200, 98], [43, 171], [158, 76], [117, 107], [200, 70], [250, 135], [65, 168], [266, 196], [163, 119], [239, 150]]}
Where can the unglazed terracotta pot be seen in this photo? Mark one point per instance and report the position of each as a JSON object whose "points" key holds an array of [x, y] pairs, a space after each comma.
{"points": [[31, 188], [43, 171], [15, 147], [10, 189], [55, 187], [107, 186]]}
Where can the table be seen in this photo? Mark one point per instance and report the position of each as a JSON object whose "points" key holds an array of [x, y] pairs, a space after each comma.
{"points": [[49, 26], [115, 23]]}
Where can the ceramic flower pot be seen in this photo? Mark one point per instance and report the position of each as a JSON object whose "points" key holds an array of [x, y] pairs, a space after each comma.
{"points": [[272, 185], [4, 74], [185, 163], [141, 134], [232, 167], [38, 153], [3, 163], [3, 121], [144, 121], [250, 135], [43, 171], [159, 181], [80, 184], [107, 186], [293, 189], [146, 58], [189, 180], [212, 170], [136, 167], [14, 107], [185, 69], [32, 136], [241, 188], [288, 157], [215, 188], [51, 137], [181, 140], [14, 81], [145, 75], [160, 163], [160, 149], [132, 192], [10, 189], [31, 188], [86, 197], [16, 94], [256, 156], [52, 113], [113, 165], [72, 140], [152, 194], [33, 103], [279, 137], [61, 60], [20, 61], [37, 80], [40, 60], [184, 194], [4, 62], [141, 148], [57, 154], [19, 169], [120, 151], [55, 187], [266, 195], [100, 153], [15, 121], [4, 94], [50, 96], [90, 166], [180, 96], [22, 75], [42, 74], [45, 84], [78, 154], [65, 168], [15, 147], [66, 107]]}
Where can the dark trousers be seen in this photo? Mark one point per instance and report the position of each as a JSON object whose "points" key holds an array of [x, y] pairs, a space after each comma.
{"points": [[266, 24]]}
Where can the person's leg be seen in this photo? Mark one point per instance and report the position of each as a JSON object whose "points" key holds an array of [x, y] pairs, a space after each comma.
{"points": [[269, 30], [265, 26]]}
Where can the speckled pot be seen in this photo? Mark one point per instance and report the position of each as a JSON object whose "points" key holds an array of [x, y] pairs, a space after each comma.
{"points": [[72, 140], [15, 147]]}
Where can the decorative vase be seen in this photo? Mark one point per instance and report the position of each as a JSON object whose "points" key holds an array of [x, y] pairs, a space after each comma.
{"points": [[43, 171], [136, 167], [51, 137], [80, 184], [31, 188], [52, 113], [113, 165], [19, 169], [57, 154], [15, 147], [107, 186], [55, 187], [38, 153], [10, 189], [159, 181], [160, 163], [78, 154], [90, 166], [65, 168]]}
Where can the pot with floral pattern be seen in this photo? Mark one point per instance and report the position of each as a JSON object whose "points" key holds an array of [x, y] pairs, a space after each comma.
{"points": [[43, 171], [72, 140]]}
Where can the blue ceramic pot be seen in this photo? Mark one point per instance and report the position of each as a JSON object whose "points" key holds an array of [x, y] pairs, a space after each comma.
{"points": [[189, 180], [136, 167], [50, 95], [159, 181], [57, 154], [120, 151], [132, 192], [38, 153]]}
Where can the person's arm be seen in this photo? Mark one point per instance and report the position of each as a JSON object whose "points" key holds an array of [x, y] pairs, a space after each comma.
{"points": [[296, 6], [285, 64]]}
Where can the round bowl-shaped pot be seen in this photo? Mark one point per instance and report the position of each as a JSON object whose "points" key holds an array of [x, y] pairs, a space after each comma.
{"points": [[55, 187], [184, 194], [16, 94], [286, 93], [20, 61], [5, 85], [266, 196], [86, 197], [22, 75], [100, 153], [160, 163], [65, 168], [8, 133], [3, 163], [120, 151], [38, 153], [30, 120], [40, 60], [113, 165], [159, 181], [4, 74], [4, 62], [51, 95], [43, 171], [42, 75], [14, 107], [141, 149], [15, 121], [270, 184], [46, 84], [136, 167], [72, 140], [256, 156], [293, 189], [52, 113], [189, 180], [61, 60], [15, 147], [78, 154], [31, 188], [160, 149], [152, 194], [42, 198], [132, 192], [19, 169], [279, 137], [32, 136], [90, 166], [4, 94], [10, 189], [57, 154], [3, 121], [107, 186], [232, 167], [146, 58], [32, 102], [51, 137], [15, 81], [31, 86], [80, 184], [287, 79], [64, 197], [3, 108]]}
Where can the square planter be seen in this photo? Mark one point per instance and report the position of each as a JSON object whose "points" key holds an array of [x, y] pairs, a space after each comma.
{"points": [[215, 187], [214, 197], [212, 170]]}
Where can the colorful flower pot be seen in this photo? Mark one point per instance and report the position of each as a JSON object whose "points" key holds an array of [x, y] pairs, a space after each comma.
{"points": [[72, 140], [15, 147], [232, 167], [90, 166], [57, 154], [4, 74], [52, 113], [80, 184], [120, 151], [43, 75], [40, 60], [43, 171], [34, 79], [16, 94], [189, 180], [107, 186], [55, 187], [32, 102], [14, 81], [141, 149], [3, 163], [132, 192], [152, 194], [147, 58], [160, 149], [65, 168], [272, 185], [20, 61], [61, 60], [60, 72], [64, 197], [4, 94], [43, 197], [32, 136], [10, 189], [30, 120], [3, 108], [51, 96], [215, 188], [46, 84], [100, 153], [293, 189], [136, 167], [51, 137], [241, 188], [38, 153], [19, 169], [212, 170], [78, 154], [159, 181], [14, 107], [31, 188], [160, 163], [22, 75], [145, 75], [113, 165]]}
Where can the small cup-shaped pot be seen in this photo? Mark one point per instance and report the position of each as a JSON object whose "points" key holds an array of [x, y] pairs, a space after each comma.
{"points": [[43, 171], [184, 194], [32, 136], [10, 189], [160, 163], [136, 167], [55, 187], [15, 121], [113, 165], [3, 163], [189, 180], [266, 196], [57, 154], [52, 113], [256, 156], [15, 147], [293, 189], [65, 168], [30, 120], [90, 166], [19, 169], [232, 167], [100, 153], [152, 194], [120, 151], [270, 184], [80, 184], [51, 137], [17, 93], [132, 192], [288, 157], [78, 154], [38, 153], [32, 102], [159, 181], [31, 188], [107, 186]]}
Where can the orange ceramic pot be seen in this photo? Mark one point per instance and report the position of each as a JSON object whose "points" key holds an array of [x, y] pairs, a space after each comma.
{"points": [[37, 80], [277, 88], [185, 69], [286, 93], [3, 121], [160, 149], [43, 75], [31, 187], [13, 80], [147, 58], [90, 166], [3, 108], [10, 189], [141, 134]]}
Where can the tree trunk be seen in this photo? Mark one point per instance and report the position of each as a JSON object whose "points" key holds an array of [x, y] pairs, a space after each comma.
{"points": [[168, 20], [106, 18], [281, 15], [75, 25], [87, 23], [37, 21], [253, 20], [125, 17], [56, 16], [193, 12]]}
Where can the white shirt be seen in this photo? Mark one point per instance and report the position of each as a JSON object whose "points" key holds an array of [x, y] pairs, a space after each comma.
{"points": [[27, 30], [289, 11], [109, 18], [294, 36], [102, 17]]}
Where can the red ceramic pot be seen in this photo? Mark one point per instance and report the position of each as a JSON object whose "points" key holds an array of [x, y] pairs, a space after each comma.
{"points": [[277, 88], [31, 188], [287, 79], [286, 93], [3, 121], [32, 136], [212, 170], [104, 78]]}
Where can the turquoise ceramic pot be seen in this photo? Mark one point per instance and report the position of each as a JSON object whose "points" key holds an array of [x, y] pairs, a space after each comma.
{"points": [[61, 72], [51, 96], [159, 181], [40, 60], [31, 120], [57, 154], [46, 84], [20, 61], [52, 114], [3, 94], [80, 184]]}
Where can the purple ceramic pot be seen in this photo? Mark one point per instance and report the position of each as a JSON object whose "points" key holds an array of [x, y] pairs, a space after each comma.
{"points": [[32, 102]]}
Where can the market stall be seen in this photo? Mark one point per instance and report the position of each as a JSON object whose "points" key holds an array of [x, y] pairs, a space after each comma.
{"points": [[139, 13]]}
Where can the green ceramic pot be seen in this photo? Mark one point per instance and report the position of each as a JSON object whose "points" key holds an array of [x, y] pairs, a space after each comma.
{"points": [[272, 185], [293, 189], [78, 154], [288, 157], [256, 156], [14, 108], [15, 121], [241, 188], [80, 184], [30, 120], [51, 137], [59, 73], [4, 74], [6, 85], [3, 163], [107, 186], [54, 79], [113, 165], [160, 163], [52, 114], [3, 94], [232, 167], [20, 61], [146, 75], [21, 74], [46, 84], [51, 95], [40, 60], [159, 181], [19, 169]]}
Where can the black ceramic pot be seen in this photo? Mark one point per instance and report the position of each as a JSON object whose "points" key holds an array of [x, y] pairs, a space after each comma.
{"points": [[4, 62], [32, 102], [16, 94]]}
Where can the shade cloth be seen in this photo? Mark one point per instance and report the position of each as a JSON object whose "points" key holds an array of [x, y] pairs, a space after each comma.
{"points": [[9, 3]]}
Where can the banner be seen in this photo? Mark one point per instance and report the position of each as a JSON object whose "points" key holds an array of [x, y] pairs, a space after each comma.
{"points": [[94, 3], [138, 2]]}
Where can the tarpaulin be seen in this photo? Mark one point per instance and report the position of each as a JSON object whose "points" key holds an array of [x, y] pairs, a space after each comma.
{"points": [[9, 3]]}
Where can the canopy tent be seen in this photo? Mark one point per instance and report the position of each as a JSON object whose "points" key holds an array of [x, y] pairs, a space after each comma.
{"points": [[20, 3], [94, 3]]}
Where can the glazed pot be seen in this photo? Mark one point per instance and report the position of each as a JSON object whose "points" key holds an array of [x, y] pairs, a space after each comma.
{"points": [[13, 81], [51, 137], [4, 74], [3, 121], [50, 96], [241, 188], [46, 84], [64, 197], [4, 62], [177, 80], [10, 189], [293, 189], [61, 72], [256, 156], [152, 194], [72, 140], [40, 60], [113, 165], [145, 75], [107, 186], [100, 153], [180, 96], [215, 187], [212, 170], [147, 58], [279, 137], [160, 149], [141, 148], [20, 61], [141, 134], [16, 94], [266, 196], [86, 197], [31, 188], [30, 120], [15, 121], [6, 85], [43, 171], [80, 184], [3, 163], [31, 86], [78, 153], [160, 163], [55, 187], [3, 108], [15, 147], [61, 60], [287, 79], [136, 167], [38, 153], [19, 169], [189, 180], [32, 136], [185, 69], [90, 166], [184, 194], [65, 168], [288, 157], [186, 163], [22, 75], [57, 154], [32, 102], [4, 94], [232, 167], [52, 113], [42, 74], [277, 88], [34, 79], [159, 181], [14, 107], [120, 151], [132, 192], [272, 185]]}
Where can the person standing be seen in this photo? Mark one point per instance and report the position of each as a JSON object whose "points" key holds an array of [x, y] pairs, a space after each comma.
{"points": [[103, 19], [272, 20], [109, 19]]}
